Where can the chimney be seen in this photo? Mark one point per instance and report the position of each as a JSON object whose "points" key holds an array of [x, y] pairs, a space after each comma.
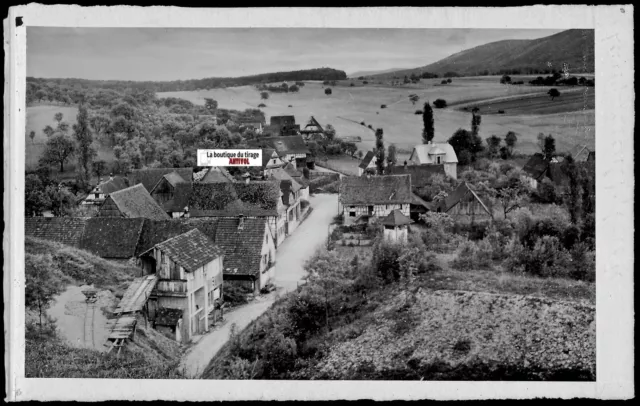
{"points": [[240, 222], [405, 164]]}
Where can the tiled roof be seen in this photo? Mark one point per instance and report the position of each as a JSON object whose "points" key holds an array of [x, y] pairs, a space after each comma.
{"points": [[459, 194], [242, 247], [396, 218], [266, 156], [282, 175], [150, 177], [233, 212], [217, 174], [536, 166], [181, 195], [425, 153], [388, 189], [112, 185], [168, 317], [135, 202], [420, 174], [580, 153], [190, 250], [292, 144], [174, 178], [65, 230], [155, 232], [282, 120], [364, 164], [112, 237]]}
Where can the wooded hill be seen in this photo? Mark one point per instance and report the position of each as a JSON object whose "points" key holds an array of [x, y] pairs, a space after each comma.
{"points": [[207, 83], [573, 47]]}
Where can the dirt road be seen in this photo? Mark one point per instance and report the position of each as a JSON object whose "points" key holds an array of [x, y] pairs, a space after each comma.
{"points": [[290, 259]]}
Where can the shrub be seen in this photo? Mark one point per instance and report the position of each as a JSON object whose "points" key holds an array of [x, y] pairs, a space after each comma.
{"points": [[440, 103], [465, 259], [546, 192], [418, 112], [235, 294], [484, 253], [383, 106], [444, 82], [262, 105], [583, 263], [500, 111], [352, 84], [365, 82], [385, 260], [362, 123]]}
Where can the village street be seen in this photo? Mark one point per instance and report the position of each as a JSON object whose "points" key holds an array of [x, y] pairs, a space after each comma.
{"points": [[290, 259]]}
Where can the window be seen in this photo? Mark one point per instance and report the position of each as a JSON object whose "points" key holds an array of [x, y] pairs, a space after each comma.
{"points": [[352, 214], [438, 159]]}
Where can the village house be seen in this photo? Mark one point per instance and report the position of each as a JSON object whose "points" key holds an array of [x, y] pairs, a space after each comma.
{"points": [[298, 176], [290, 148], [421, 178], [581, 153], [436, 154], [261, 199], [189, 270], [149, 177], [396, 226], [292, 195], [217, 174], [367, 163], [253, 123], [368, 198], [270, 161], [465, 205], [112, 238], [172, 194], [282, 126], [100, 192], [313, 130], [132, 202]]}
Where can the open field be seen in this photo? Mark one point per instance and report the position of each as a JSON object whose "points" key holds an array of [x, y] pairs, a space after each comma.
{"points": [[348, 106], [38, 117], [538, 104]]}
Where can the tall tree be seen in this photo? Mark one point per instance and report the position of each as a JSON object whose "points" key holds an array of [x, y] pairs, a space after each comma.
{"points": [[58, 150], [493, 144], [392, 157], [58, 117], [211, 105], [380, 151], [84, 138], [553, 93], [466, 145], [547, 145], [264, 95], [574, 197], [32, 135], [476, 119], [510, 139], [428, 131]]}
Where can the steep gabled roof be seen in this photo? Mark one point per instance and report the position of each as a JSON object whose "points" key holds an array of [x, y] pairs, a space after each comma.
{"points": [[425, 153], [281, 175], [396, 218], [181, 195], [242, 247], [190, 250], [536, 166], [154, 232], [267, 154], [135, 202], [217, 174], [459, 194], [150, 177], [112, 237], [580, 153], [364, 164], [313, 126], [388, 189], [420, 174], [65, 230]]}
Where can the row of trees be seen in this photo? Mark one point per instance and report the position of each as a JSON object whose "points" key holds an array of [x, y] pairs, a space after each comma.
{"points": [[283, 88]]}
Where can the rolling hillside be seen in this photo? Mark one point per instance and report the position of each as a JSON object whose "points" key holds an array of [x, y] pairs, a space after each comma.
{"points": [[573, 47]]}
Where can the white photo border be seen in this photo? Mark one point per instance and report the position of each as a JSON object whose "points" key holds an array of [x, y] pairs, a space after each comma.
{"points": [[614, 53]]}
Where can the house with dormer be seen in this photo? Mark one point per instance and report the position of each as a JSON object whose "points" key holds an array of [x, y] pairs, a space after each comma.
{"points": [[436, 154]]}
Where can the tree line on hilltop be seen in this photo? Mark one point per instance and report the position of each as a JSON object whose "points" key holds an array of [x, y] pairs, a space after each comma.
{"points": [[72, 87]]}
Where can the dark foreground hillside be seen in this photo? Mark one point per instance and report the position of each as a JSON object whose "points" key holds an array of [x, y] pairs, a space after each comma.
{"points": [[348, 323]]}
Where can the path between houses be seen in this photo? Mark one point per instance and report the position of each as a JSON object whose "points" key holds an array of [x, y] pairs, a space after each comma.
{"points": [[290, 259]]}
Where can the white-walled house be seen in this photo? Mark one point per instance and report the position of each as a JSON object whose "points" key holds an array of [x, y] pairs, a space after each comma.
{"points": [[365, 198], [368, 162], [436, 154], [189, 269], [102, 190], [396, 226]]}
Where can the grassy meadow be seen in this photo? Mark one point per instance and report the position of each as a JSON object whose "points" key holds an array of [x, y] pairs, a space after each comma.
{"points": [[348, 106]]}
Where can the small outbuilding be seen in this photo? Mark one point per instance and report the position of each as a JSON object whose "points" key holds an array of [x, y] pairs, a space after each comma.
{"points": [[396, 226]]}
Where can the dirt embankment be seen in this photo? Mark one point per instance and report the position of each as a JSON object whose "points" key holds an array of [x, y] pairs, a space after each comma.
{"points": [[461, 335]]}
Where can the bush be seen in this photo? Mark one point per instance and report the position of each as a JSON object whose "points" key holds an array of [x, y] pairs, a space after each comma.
{"points": [[500, 111], [385, 260], [444, 82], [465, 259], [352, 84], [383, 106], [262, 105], [418, 112], [440, 103], [362, 123], [546, 192], [235, 294], [583, 263]]}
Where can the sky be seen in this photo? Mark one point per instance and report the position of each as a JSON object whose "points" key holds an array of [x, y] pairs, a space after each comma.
{"points": [[165, 54]]}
